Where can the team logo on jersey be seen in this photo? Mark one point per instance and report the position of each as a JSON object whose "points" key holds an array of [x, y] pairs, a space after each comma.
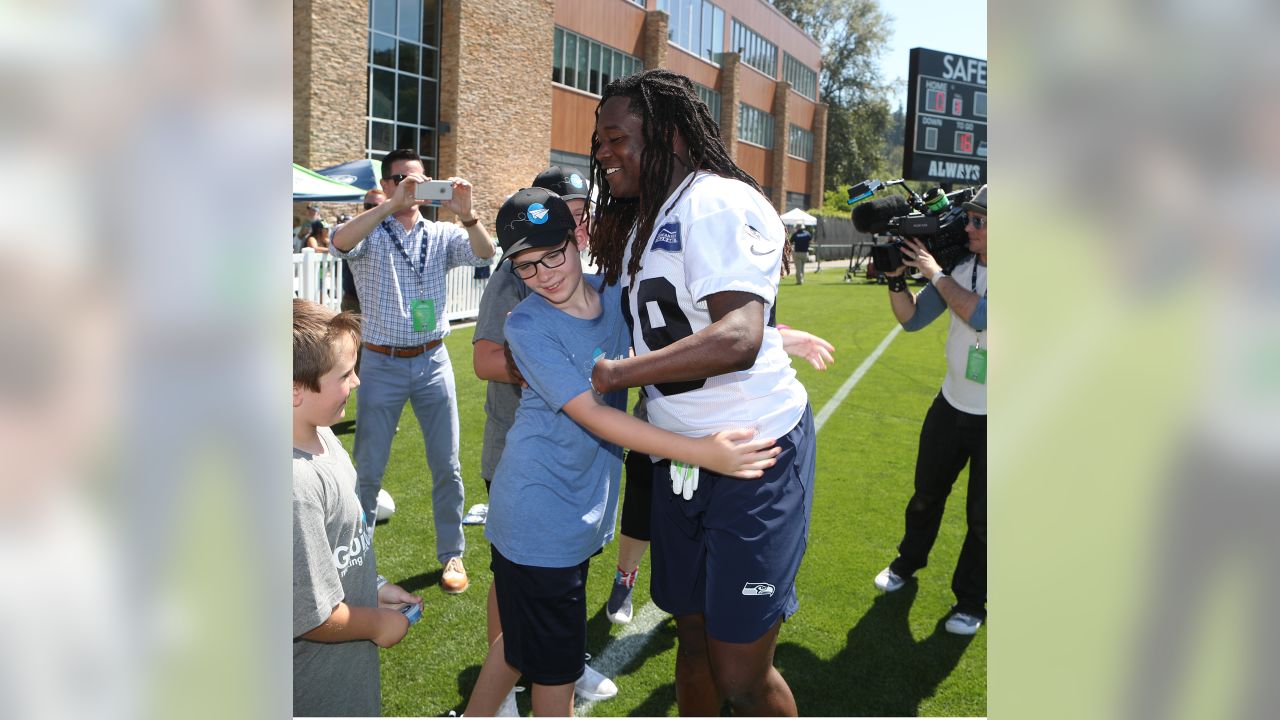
{"points": [[538, 214], [576, 180], [757, 588], [668, 237], [759, 244]]}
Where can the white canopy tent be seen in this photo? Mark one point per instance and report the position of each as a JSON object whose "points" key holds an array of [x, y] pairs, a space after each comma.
{"points": [[796, 216]]}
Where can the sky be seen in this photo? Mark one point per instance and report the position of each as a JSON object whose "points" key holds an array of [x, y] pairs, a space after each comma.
{"points": [[953, 26]]}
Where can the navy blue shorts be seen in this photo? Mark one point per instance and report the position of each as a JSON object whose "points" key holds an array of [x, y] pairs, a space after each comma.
{"points": [[732, 552], [544, 618]]}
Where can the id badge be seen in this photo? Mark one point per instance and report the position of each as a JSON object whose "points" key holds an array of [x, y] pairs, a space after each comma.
{"points": [[424, 315], [977, 367]]}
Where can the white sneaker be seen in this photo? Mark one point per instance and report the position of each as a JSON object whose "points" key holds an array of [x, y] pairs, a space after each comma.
{"points": [[963, 624], [618, 608], [508, 707], [594, 686], [889, 581]]}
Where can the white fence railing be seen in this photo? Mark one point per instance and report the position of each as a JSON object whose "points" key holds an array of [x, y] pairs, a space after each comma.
{"points": [[318, 277]]}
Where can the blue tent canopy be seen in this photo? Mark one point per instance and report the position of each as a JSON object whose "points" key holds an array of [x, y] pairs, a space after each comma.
{"points": [[363, 174], [309, 186]]}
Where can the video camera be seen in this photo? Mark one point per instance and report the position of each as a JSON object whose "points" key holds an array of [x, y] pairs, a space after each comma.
{"points": [[938, 220]]}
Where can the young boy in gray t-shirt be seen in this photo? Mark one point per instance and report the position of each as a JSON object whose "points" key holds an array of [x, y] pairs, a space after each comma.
{"points": [[342, 610]]}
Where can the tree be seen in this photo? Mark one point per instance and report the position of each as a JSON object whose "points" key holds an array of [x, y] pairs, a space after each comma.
{"points": [[853, 34]]}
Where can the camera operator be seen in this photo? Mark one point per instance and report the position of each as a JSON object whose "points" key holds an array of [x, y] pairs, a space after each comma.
{"points": [[955, 428]]}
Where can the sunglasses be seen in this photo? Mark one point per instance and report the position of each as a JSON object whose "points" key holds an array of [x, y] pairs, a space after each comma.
{"points": [[370, 206], [977, 221], [553, 259], [397, 179]]}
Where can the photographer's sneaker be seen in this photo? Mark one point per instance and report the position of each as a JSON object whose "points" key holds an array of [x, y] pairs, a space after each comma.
{"points": [[618, 609], [594, 686], [963, 624], [889, 581], [454, 578]]}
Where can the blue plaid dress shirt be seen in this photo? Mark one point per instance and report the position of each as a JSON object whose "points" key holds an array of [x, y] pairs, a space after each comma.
{"points": [[388, 278]]}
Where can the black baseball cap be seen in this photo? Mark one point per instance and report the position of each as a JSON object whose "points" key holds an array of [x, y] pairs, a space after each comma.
{"points": [[533, 218], [568, 184]]}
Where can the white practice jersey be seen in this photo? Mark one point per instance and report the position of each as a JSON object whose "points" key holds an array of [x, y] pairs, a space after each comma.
{"points": [[722, 236]]}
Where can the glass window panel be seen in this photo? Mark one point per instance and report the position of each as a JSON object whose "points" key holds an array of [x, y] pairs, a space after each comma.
{"points": [[584, 57], [704, 48], [675, 22], [595, 68], [384, 16], [411, 20], [429, 95], [406, 137], [570, 57], [557, 56], [409, 54], [383, 50], [717, 38], [431, 22], [384, 94], [380, 136], [429, 68], [407, 99], [606, 68], [695, 27], [427, 143]]}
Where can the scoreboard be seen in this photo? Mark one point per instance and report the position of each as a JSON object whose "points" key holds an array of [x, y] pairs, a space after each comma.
{"points": [[946, 138]]}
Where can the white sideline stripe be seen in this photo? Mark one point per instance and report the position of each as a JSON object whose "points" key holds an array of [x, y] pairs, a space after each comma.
{"points": [[847, 387], [624, 648], [628, 644]]}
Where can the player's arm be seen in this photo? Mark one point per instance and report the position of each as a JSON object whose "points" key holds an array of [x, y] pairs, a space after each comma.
{"points": [[489, 360], [732, 452], [384, 626], [729, 344]]}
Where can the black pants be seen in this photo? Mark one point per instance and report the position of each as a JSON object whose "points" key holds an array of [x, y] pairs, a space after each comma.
{"points": [[949, 439]]}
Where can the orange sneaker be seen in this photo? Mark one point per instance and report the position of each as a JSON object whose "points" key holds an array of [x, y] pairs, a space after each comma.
{"points": [[454, 578]]}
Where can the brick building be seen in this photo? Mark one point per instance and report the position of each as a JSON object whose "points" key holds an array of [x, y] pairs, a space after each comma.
{"points": [[495, 90]]}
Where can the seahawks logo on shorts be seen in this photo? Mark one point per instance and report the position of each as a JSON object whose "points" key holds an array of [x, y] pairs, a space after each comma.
{"points": [[757, 588]]}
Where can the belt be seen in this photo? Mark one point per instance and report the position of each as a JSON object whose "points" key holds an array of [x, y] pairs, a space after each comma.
{"points": [[403, 352]]}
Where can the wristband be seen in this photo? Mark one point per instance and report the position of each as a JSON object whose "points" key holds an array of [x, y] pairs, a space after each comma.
{"points": [[897, 284], [381, 581], [470, 223], [937, 278]]}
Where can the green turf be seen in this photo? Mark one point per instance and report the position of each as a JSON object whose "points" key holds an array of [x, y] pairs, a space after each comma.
{"points": [[848, 651]]}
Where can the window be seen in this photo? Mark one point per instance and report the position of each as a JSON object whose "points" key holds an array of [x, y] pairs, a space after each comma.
{"points": [[711, 98], [797, 200], [756, 51], [755, 126], [582, 63], [404, 79], [801, 76], [696, 26], [572, 161], [801, 143]]}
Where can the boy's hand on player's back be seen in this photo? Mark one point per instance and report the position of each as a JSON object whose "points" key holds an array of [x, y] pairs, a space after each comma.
{"points": [[736, 454], [392, 626]]}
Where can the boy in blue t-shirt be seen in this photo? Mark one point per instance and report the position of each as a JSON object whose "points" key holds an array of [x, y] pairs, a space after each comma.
{"points": [[555, 492]]}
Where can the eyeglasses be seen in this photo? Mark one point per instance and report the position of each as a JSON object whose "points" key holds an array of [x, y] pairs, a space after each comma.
{"points": [[977, 221], [370, 206], [553, 259], [397, 179]]}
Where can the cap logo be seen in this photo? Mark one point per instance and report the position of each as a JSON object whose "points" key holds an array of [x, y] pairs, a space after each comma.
{"points": [[538, 214], [576, 180]]}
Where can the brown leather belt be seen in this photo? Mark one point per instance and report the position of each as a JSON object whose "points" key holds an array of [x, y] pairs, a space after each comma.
{"points": [[403, 352]]}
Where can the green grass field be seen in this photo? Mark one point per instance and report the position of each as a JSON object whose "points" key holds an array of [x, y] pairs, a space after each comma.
{"points": [[849, 651]]}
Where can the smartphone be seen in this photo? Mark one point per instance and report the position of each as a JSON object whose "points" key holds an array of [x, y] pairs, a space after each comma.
{"points": [[435, 192], [413, 611]]}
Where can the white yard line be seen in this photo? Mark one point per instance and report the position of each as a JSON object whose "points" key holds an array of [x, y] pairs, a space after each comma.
{"points": [[627, 645]]}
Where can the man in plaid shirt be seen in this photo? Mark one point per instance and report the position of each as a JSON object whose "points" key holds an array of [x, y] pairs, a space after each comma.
{"points": [[399, 260]]}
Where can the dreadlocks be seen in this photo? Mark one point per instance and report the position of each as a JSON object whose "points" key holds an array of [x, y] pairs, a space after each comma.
{"points": [[666, 103]]}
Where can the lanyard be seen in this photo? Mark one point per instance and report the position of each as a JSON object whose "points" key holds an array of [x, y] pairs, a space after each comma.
{"points": [[422, 248]]}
